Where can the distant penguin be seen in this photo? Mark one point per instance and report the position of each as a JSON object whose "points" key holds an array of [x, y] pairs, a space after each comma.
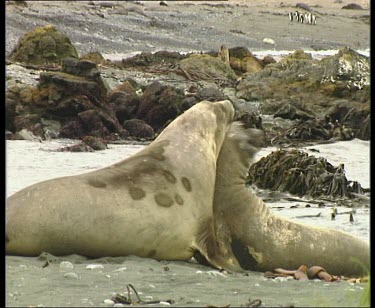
{"points": [[301, 18], [308, 18], [291, 16], [296, 15], [313, 19]]}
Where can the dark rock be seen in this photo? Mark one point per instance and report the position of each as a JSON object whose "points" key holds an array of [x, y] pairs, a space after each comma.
{"points": [[97, 144], [79, 147], [291, 112], [43, 45], [309, 84], [209, 94], [95, 57], [25, 121], [125, 105], [75, 97], [138, 128], [159, 104], [146, 59], [303, 6], [73, 129], [249, 119], [352, 6]]}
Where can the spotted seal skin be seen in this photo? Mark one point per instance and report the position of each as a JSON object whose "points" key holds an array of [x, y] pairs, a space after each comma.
{"points": [[153, 204], [249, 236]]}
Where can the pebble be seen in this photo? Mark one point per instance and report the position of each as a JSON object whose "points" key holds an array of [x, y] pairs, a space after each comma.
{"points": [[164, 303], [269, 41], [66, 265], [108, 302], [121, 269], [71, 275], [94, 266]]}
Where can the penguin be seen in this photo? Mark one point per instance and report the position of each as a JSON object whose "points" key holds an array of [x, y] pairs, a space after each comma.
{"points": [[296, 15], [308, 18], [313, 19], [301, 18], [291, 16]]}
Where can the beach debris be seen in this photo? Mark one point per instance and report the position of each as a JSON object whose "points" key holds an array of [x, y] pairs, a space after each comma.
{"points": [[127, 300], [309, 216], [94, 266], [314, 272], [252, 303]]}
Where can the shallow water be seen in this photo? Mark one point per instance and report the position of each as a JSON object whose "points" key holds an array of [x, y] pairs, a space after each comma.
{"points": [[28, 283]]}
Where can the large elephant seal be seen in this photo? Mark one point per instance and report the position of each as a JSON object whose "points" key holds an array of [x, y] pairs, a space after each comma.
{"points": [[249, 236], [152, 204], [181, 196]]}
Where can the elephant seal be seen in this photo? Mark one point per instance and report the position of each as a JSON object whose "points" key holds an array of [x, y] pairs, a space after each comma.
{"points": [[250, 237], [152, 204], [183, 195]]}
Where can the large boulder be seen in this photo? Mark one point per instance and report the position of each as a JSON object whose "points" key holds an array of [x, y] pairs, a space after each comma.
{"points": [[75, 97], [206, 67], [43, 45], [159, 104]]}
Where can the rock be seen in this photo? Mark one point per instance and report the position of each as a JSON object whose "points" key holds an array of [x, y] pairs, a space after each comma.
{"points": [[205, 67], [352, 6], [43, 45], [310, 84], [211, 94], [249, 119], [127, 86], [303, 6], [268, 41], [26, 134], [139, 129], [125, 105], [267, 60], [146, 59], [95, 57], [94, 266], [291, 112], [163, 3], [159, 104], [75, 98], [97, 144], [66, 265], [351, 114], [71, 275]]}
